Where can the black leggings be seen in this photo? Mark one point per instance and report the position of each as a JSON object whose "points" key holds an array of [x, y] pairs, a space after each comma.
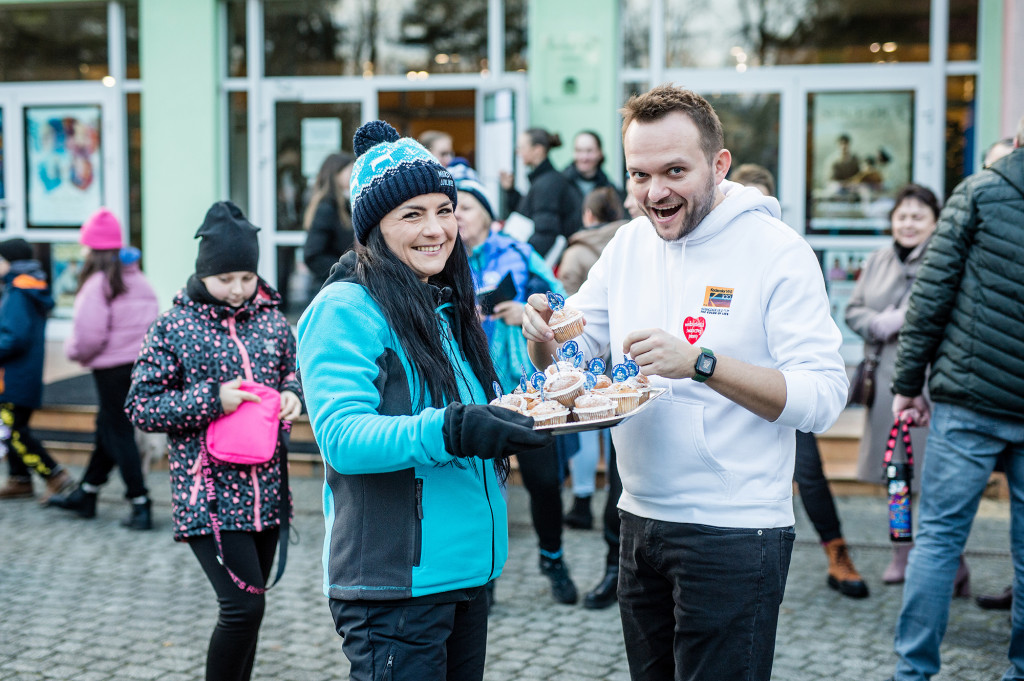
{"points": [[115, 436], [233, 643], [539, 470], [24, 450], [814, 490]]}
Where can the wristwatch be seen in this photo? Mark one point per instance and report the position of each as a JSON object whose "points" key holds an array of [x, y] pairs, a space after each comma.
{"points": [[704, 366]]}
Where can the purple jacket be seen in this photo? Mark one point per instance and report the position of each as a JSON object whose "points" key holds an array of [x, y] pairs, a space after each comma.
{"points": [[108, 333]]}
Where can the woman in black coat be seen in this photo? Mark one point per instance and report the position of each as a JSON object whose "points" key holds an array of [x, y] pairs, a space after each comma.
{"points": [[328, 219]]}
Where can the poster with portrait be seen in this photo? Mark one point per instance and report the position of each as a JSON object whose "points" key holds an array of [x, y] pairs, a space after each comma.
{"points": [[65, 266], [860, 152], [63, 164]]}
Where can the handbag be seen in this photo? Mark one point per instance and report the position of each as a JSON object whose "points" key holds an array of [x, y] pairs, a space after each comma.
{"points": [[862, 387], [247, 435]]}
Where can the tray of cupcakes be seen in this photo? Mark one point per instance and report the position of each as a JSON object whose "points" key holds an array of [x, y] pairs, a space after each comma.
{"points": [[571, 396]]}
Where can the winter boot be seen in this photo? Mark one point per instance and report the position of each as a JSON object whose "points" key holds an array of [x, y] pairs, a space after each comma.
{"points": [[842, 575], [141, 517], [895, 571], [562, 588], [58, 483], [604, 594], [17, 488], [80, 501], [580, 517]]}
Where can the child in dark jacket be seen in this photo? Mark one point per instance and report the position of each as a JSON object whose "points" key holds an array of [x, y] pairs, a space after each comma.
{"points": [[24, 305], [225, 325]]}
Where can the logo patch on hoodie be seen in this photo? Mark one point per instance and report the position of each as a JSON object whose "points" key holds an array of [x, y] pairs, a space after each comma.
{"points": [[717, 300]]}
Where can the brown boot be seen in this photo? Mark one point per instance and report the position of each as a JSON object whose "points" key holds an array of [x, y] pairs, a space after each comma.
{"points": [[58, 483], [17, 488], [842, 575]]}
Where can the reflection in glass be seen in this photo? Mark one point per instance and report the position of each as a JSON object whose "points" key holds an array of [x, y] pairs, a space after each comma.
{"points": [[746, 33], [750, 123], [238, 149], [235, 43], [860, 151], [305, 134], [636, 34], [516, 35], [374, 37], [960, 117], [292, 282], [133, 115], [131, 35], [38, 43], [963, 30]]}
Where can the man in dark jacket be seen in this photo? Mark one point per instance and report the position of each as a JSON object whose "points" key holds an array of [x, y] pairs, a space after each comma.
{"points": [[965, 320]]}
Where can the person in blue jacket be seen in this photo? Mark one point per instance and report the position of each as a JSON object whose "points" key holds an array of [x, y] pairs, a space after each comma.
{"points": [[24, 305], [397, 375]]}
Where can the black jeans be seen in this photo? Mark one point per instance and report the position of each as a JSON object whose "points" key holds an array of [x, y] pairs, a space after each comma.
{"points": [[24, 451], [611, 510], [233, 643], [431, 642], [701, 603], [542, 480], [814, 490], [115, 436]]}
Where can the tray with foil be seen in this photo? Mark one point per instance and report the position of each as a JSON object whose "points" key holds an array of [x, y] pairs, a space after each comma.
{"points": [[597, 424]]}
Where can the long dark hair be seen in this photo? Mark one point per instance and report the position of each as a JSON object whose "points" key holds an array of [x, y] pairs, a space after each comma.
{"points": [[108, 262], [409, 307], [325, 186]]}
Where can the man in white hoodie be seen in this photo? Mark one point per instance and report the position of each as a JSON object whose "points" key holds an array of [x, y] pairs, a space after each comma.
{"points": [[723, 305]]}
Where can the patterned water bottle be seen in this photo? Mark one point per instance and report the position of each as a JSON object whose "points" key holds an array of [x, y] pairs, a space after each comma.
{"points": [[899, 477]]}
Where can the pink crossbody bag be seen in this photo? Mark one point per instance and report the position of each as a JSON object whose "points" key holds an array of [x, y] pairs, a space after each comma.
{"points": [[247, 435]]}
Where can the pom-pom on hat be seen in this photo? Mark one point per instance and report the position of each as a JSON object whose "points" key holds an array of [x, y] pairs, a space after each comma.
{"points": [[229, 242], [15, 249], [101, 232], [388, 171], [477, 190]]}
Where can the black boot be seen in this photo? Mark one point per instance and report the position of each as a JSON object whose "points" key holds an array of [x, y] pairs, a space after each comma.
{"points": [[562, 588], [580, 517], [603, 594], [80, 501], [141, 517]]}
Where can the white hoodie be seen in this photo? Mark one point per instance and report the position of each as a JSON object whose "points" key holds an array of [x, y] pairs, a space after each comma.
{"points": [[753, 290]]}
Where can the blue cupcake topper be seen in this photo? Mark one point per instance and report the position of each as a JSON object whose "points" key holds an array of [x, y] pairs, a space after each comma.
{"points": [[538, 379], [596, 366], [569, 349], [522, 379], [620, 373], [556, 301], [589, 380], [632, 368], [577, 360], [497, 389]]}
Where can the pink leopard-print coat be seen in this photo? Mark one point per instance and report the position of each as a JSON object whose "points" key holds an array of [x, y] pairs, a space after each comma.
{"points": [[188, 353]]}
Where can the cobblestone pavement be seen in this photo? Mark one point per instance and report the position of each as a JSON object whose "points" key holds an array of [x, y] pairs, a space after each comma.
{"points": [[90, 601]]}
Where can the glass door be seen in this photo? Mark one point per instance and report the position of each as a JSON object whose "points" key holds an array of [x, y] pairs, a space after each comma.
{"points": [[5, 107], [301, 123]]}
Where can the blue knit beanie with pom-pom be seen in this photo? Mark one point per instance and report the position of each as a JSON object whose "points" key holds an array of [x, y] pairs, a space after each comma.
{"points": [[388, 171]]}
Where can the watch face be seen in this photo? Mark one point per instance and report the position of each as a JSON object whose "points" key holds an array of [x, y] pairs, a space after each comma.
{"points": [[705, 364]]}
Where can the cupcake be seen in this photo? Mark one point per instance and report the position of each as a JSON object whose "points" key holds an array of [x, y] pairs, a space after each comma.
{"points": [[642, 385], [511, 401], [625, 397], [565, 386], [603, 383], [566, 323], [549, 413], [553, 369], [592, 407]]}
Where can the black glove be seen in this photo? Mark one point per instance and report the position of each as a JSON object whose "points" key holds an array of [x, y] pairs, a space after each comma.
{"points": [[489, 432]]}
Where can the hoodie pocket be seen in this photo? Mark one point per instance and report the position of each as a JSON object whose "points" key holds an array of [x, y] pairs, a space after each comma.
{"points": [[417, 535]]}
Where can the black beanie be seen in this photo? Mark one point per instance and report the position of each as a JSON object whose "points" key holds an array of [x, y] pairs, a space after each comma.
{"points": [[15, 249], [229, 242]]}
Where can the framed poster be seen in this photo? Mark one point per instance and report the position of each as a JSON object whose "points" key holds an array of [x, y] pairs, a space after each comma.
{"points": [[64, 167], [65, 265], [859, 154]]}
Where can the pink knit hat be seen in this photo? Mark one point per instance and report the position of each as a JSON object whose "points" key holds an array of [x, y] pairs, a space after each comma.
{"points": [[101, 232]]}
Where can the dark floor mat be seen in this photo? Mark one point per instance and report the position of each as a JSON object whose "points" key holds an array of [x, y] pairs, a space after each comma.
{"points": [[77, 390]]}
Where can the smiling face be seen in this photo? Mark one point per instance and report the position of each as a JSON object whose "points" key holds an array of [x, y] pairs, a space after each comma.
{"points": [[233, 288], [586, 154], [912, 222], [671, 179], [421, 233]]}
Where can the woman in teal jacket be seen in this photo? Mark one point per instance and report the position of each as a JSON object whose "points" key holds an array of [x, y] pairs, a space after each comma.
{"points": [[397, 375]]}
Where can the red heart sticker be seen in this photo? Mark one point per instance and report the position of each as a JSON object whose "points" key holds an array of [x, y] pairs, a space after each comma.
{"points": [[693, 328]]}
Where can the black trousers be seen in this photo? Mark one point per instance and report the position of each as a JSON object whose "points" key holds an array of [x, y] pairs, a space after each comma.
{"points": [[430, 642], [115, 436], [543, 481], [233, 643], [814, 490], [24, 451], [612, 521]]}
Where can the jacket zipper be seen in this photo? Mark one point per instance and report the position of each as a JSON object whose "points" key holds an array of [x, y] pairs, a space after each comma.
{"points": [[246, 365], [418, 532]]}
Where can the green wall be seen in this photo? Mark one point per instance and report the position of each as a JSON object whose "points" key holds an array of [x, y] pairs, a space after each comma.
{"points": [[990, 77], [181, 133], [573, 42]]}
